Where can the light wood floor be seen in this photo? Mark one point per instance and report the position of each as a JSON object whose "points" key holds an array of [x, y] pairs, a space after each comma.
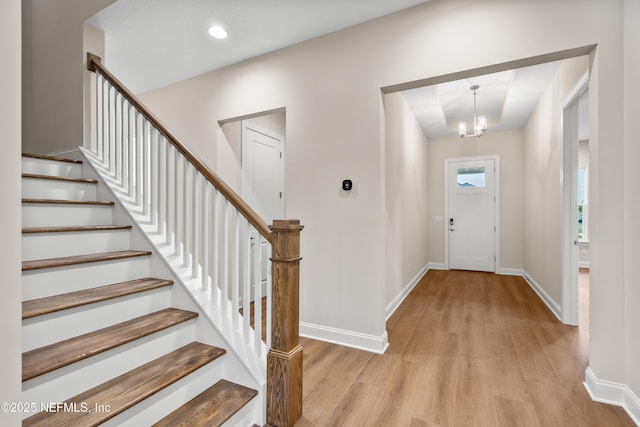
{"points": [[466, 349]]}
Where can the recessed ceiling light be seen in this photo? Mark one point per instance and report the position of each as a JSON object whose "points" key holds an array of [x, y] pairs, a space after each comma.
{"points": [[218, 32]]}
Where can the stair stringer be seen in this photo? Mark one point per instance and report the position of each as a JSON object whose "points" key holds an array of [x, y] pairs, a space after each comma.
{"points": [[241, 363]]}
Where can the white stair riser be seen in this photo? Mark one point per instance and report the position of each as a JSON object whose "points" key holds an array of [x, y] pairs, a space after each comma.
{"points": [[53, 215], [63, 383], [53, 245], [53, 281], [50, 167], [33, 188], [246, 416], [48, 329], [161, 404]]}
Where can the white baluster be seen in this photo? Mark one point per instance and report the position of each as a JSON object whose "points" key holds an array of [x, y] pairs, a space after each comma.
{"points": [[245, 241], [168, 193], [162, 178], [268, 296], [195, 222], [99, 116], [131, 155], [138, 159], [117, 123], [234, 250], [257, 293], [125, 146], [215, 243], [112, 128], [176, 203], [185, 213], [224, 253], [107, 125], [146, 161], [206, 234], [154, 155]]}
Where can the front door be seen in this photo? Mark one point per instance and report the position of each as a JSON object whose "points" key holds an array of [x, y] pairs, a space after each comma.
{"points": [[471, 214]]}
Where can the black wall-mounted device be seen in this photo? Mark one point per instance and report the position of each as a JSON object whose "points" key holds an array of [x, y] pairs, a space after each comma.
{"points": [[347, 185]]}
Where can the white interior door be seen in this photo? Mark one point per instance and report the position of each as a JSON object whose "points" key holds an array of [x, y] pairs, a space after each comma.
{"points": [[471, 214], [263, 185], [262, 167]]}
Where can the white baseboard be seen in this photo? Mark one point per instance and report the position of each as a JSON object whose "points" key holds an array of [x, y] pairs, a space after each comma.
{"points": [[395, 302], [553, 306], [510, 272], [437, 266], [614, 394], [372, 343]]}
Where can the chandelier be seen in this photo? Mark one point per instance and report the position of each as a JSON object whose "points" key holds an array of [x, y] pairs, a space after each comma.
{"points": [[479, 122]]}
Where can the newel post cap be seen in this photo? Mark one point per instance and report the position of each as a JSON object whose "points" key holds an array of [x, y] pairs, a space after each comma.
{"points": [[286, 225]]}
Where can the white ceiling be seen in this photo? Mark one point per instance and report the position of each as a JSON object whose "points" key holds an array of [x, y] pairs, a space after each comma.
{"points": [[507, 99], [153, 43]]}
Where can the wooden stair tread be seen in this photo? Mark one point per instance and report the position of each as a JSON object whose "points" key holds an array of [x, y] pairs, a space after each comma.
{"points": [[54, 356], [55, 158], [69, 202], [67, 229], [211, 408], [128, 389], [52, 304], [80, 259], [59, 178]]}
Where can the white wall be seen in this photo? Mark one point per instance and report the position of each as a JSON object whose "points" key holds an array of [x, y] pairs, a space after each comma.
{"points": [[406, 213], [330, 88], [10, 218], [632, 195], [542, 181], [52, 72], [508, 145]]}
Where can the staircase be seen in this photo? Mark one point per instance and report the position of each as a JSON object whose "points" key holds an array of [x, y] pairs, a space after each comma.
{"points": [[108, 334]]}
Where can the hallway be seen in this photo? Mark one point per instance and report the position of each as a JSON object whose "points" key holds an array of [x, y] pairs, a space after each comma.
{"points": [[466, 348]]}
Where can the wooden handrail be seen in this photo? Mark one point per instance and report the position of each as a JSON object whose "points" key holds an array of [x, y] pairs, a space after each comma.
{"points": [[94, 64]]}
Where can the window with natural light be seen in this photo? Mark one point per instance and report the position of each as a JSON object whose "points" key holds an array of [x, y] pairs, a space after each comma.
{"points": [[582, 205], [471, 177]]}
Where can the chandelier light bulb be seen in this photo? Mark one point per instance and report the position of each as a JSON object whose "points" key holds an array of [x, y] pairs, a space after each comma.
{"points": [[462, 128], [482, 123]]}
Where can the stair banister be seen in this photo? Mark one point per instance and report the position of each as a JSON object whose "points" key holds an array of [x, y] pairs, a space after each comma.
{"points": [[284, 358], [94, 64]]}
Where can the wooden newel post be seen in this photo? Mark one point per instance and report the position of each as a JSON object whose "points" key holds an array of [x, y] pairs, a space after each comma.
{"points": [[284, 361]]}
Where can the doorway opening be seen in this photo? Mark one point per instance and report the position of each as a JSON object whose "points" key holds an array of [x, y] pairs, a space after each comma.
{"points": [[530, 216], [575, 206], [251, 159]]}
